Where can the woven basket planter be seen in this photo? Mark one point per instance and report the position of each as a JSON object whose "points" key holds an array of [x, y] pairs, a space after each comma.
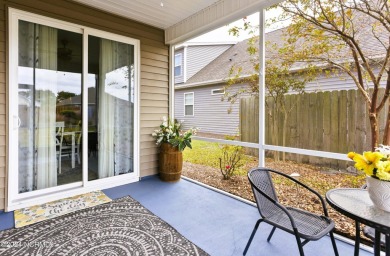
{"points": [[170, 163]]}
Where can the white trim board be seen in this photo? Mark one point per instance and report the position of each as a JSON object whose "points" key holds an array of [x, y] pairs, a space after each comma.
{"points": [[301, 151]]}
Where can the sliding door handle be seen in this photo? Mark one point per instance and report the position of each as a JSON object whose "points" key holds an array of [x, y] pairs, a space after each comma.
{"points": [[17, 122]]}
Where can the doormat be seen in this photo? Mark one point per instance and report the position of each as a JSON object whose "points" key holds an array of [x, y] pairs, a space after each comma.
{"points": [[29, 215], [121, 227]]}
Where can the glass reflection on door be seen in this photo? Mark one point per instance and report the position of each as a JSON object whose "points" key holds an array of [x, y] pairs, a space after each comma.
{"points": [[49, 107], [110, 108]]}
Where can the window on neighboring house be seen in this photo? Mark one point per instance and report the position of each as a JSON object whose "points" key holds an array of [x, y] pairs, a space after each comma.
{"points": [[178, 62], [189, 104], [218, 91]]}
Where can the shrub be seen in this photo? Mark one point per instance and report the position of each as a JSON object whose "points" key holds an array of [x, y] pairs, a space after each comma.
{"points": [[230, 160]]}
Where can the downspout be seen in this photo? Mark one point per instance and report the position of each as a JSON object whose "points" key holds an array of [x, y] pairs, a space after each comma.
{"points": [[261, 88]]}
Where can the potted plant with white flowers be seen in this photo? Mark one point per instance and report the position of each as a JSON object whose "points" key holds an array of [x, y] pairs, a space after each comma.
{"points": [[172, 141]]}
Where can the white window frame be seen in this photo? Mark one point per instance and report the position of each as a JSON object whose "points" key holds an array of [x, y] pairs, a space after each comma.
{"points": [[193, 103], [179, 64], [218, 93], [16, 200]]}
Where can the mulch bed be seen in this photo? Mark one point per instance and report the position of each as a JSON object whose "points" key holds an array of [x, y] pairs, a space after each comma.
{"points": [[315, 177]]}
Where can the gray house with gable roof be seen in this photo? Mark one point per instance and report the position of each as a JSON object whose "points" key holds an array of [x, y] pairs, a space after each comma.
{"points": [[198, 99], [190, 58]]}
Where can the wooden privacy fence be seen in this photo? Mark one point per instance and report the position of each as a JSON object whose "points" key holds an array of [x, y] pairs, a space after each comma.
{"points": [[333, 121]]}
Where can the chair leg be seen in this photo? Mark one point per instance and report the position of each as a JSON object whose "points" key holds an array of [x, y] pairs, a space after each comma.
{"points": [[271, 234], [60, 159], [59, 163], [252, 235], [300, 247], [305, 242], [336, 253], [357, 239], [377, 243]]}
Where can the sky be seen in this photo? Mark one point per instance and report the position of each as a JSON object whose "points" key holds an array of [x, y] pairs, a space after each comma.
{"points": [[57, 81], [222, 34]]}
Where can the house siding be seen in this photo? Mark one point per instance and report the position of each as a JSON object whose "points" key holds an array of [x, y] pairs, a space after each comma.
{"points": [[334, 82], [210, 113], [153, 80], [180, 79], [200, 56]]}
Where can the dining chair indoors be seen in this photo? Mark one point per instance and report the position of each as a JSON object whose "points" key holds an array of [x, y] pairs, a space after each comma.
{"points": [[302, 224], [67, 146], [59, 141], [64, 147]]}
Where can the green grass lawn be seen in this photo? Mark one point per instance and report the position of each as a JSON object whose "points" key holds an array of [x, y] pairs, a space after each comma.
{"points": [[208, 153]]}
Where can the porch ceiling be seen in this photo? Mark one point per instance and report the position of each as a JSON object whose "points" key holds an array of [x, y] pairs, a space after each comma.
{"points": [[181, 19]]}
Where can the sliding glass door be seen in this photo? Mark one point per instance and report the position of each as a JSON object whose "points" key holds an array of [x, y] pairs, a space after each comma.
{"points": [[111, 108], [49, 115], [73, 109]]}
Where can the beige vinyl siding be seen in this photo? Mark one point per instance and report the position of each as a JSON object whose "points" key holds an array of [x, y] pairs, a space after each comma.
{"points": [[154, 69]]}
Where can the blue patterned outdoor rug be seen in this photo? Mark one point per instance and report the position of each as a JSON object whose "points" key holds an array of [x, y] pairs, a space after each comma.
{"points": [[121, 227]]}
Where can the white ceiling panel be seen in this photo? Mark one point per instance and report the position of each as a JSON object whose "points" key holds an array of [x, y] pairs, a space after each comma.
{"points": [[181, 19], [150, 11]]}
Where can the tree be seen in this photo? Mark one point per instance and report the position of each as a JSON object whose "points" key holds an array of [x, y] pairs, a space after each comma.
{"points": [[334, 34], [279, 80], [62, 95]]}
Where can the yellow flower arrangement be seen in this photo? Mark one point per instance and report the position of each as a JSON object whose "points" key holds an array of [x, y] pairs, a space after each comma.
{"points": [[375, 164]]}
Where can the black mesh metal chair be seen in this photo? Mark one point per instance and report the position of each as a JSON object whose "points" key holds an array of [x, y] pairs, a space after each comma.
{"points": [[304, 225]]}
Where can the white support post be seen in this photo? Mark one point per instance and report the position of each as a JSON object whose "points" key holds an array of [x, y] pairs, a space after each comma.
{"points": [[262, 87], [172, 82], [84, 109]]}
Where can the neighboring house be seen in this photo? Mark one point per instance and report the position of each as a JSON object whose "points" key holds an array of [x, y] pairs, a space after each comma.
{"points": [[75, 104], [202, 107], [198, 100], [192, 57], [114, 55]]}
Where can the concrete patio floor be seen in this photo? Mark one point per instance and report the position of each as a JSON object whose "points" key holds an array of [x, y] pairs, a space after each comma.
{"points": [[219, 224]]}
